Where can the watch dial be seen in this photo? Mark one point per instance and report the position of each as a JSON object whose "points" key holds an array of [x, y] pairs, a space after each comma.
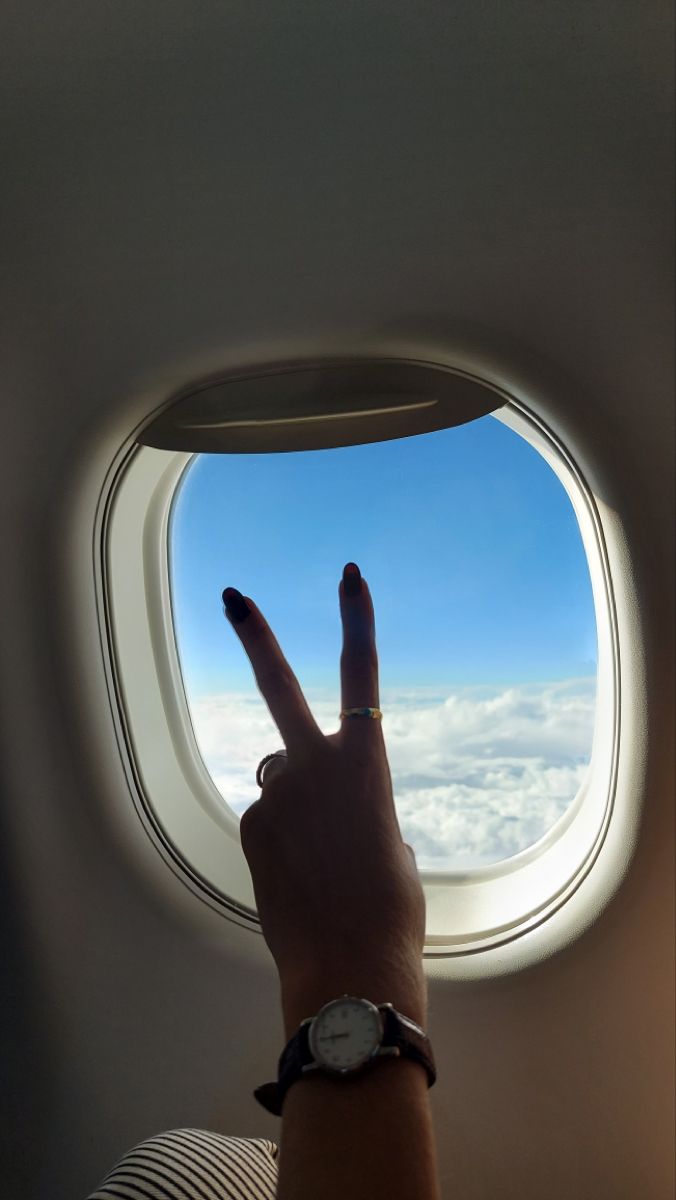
{"points": [[345, 1034]]}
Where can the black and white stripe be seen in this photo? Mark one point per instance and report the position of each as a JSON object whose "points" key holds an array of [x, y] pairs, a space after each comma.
{"points": [[194, 1164]]}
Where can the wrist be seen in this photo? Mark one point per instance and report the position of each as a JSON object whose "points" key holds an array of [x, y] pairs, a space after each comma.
{"points": [[406, 990]]}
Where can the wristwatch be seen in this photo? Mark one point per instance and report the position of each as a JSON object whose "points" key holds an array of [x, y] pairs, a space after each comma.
{"points": [[345, 1036]]}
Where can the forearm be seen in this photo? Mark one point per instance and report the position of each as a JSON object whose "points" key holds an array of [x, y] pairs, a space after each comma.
{"points": [[368, 1137]]}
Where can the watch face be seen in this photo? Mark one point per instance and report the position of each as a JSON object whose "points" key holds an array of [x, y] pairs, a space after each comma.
{"points": [[345, 1034]]}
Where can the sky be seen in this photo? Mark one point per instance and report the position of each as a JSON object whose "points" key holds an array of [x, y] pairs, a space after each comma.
{"points": [[484, 621]]}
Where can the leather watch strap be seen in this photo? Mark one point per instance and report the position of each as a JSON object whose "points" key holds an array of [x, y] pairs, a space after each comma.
{"points": [[398, 1031], [410, 1041], [293, 1058]]}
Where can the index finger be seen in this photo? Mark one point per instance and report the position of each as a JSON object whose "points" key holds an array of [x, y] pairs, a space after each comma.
{"points": [[277, 683]]}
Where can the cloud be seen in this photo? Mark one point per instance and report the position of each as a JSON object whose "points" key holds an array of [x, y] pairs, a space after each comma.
{"points": [[478, 774]]}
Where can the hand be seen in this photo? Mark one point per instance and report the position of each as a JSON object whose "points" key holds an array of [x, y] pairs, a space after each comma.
{"points": [[337, 891]]}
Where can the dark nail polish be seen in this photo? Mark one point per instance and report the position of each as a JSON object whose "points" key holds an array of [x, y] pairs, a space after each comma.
{"points": [[235, 605], [352, 579]]}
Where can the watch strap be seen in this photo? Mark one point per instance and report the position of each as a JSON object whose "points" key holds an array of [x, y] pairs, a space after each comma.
{"points": [[295, 1055], [409, 1039], [398, 1032]]}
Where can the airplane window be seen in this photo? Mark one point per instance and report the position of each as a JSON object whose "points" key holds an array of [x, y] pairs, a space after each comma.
{"points": [[485, 623]]}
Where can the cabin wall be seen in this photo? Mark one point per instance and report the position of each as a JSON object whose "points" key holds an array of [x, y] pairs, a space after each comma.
{"points": [[134, 1015], [190, 188]]}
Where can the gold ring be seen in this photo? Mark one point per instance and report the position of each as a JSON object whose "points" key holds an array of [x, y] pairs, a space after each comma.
{"points": [[375, 713]]}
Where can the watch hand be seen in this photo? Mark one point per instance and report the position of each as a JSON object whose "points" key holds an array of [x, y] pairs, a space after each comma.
{"points": [[331, 1037]]}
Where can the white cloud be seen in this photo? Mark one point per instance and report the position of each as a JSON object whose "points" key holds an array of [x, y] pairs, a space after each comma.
{"points": [[478, 774]]}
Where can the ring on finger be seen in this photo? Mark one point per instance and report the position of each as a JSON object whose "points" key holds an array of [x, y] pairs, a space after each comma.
{"points": [[374, 713], [260, 771]]}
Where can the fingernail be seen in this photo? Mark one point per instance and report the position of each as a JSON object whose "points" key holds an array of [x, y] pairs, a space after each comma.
{"points": [[352, 579], [235, 605]]}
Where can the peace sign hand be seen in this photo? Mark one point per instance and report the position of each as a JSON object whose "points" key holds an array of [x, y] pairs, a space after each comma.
{"points": [[337, 891]]}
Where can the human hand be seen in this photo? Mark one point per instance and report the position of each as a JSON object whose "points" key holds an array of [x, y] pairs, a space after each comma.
{"points": [[337, 891]]}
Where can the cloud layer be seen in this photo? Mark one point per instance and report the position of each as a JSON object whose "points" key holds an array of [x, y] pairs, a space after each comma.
{"points": [[478, 774]]}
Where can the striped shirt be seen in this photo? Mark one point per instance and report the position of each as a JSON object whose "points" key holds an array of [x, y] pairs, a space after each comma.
{"points": [[193, 1164]]}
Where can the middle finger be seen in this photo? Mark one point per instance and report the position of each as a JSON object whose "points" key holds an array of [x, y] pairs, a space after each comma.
{"points": [[359, 658]]}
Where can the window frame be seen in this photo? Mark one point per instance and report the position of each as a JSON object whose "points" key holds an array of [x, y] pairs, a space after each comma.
{"points": [[474, 917]]}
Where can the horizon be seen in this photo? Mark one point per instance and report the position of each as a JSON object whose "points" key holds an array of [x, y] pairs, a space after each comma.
{"points": [[485, 623]]}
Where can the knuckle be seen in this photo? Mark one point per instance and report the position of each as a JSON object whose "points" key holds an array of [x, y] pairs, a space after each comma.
{"points": [[361, 658], [276, 679], [369, 657], [273, 768], [250, 825]]}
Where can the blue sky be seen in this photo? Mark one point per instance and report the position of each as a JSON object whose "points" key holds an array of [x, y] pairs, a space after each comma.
{"points": [[467, 538]]}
